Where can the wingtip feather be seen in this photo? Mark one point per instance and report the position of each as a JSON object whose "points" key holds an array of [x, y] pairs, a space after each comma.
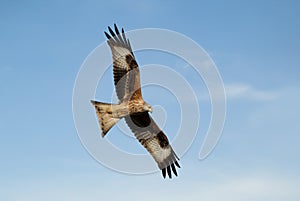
{"points": [[163, 171], [177, 164], [174, 169], [111, 32], [116, 29], [169, 172], [107, 35]]}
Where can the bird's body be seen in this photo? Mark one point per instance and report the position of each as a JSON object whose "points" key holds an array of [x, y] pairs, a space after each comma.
{"points": [[114, 112], [131, 105]]}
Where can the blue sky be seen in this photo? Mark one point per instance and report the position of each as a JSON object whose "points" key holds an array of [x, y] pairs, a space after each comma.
{"points": [[255, 46]]}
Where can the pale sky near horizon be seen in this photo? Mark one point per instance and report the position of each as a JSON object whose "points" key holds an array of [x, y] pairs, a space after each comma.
{"points": [[255, 46]]}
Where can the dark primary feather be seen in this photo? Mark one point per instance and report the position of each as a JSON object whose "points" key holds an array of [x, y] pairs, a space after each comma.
{"points": [[114, 37], [164, 172], [173, 168], [176, 163], [116, 29], [169, 172], [111, 32], [123, 35], [107, 35]]}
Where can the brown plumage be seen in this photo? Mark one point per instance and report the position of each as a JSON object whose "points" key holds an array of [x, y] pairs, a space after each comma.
{"points": [[131, 105]]}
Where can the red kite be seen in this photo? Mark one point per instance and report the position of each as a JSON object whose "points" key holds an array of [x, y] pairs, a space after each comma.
{"points": [[131, 105]]}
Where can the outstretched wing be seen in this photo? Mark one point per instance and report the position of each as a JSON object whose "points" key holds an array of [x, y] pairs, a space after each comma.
{"points": [[154, 140], [125, 67]]}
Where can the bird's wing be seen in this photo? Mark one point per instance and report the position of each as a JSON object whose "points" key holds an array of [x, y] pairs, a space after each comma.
{"points": [[125, 67], [155, 141]]}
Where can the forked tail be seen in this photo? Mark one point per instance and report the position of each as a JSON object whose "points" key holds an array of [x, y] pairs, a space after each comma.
{"points": [[107, 115]]}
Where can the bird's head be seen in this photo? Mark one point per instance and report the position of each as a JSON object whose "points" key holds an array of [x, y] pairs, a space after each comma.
{"points": [[147, 107]]}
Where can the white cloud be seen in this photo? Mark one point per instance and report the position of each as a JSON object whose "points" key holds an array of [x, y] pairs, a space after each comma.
{"points": [[245, 91], [251, 188]]}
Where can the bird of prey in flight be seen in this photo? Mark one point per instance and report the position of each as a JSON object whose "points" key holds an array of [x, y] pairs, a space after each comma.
{"points": [[131, 105]]}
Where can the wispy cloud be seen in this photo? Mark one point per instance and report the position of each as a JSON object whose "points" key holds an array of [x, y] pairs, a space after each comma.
{"points": [[250, 188], [240, 91], [245, 91]]}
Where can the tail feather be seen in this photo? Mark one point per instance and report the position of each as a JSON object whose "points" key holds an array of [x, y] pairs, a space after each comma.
{"points": [[106, 116]]}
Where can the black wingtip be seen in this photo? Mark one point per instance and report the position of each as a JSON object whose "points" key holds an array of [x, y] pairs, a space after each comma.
{"points": [[107, 35], [177, 164], [169, 172], [116, 29], [174, 169], [163, 171], [123, 30], [111, 32]]}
